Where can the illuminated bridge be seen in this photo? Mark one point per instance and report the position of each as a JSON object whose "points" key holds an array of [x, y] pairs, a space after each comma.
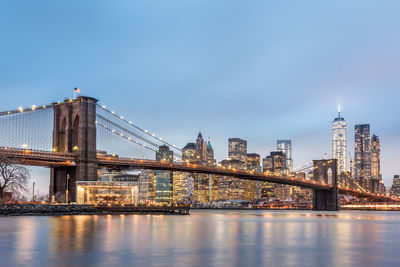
{"points": [[68, 137]]}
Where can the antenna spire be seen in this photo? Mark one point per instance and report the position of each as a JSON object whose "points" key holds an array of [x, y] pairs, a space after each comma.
{"points": [[339, 109]]}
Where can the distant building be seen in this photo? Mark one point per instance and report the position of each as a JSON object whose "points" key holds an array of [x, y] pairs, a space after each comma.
{"points": [[210, 154], [201, 149], [230, 188], [253, 188], [362, 155], [377, 185], [285, 146], [164, 179], [396, 186], [147, 186], [375, 158], [200, 187], [189, 153], [339, 142], [237, 150]]}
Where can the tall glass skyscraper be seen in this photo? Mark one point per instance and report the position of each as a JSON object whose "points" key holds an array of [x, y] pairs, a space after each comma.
{"points": [[285, 146], [164, 179], [339, 143], [362, 153]]}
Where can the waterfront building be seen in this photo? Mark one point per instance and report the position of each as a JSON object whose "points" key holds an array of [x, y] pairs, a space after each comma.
{"points": [[396, 186], [164, 179], [285, 146], [147, 186], [180, 188], [106, 192], [339, 143], [362, 155]]}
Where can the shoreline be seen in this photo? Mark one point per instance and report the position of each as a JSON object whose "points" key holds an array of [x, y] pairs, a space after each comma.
{"points": [[63, 210]]}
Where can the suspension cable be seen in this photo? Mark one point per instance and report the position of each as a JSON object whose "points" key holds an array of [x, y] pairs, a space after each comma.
{"points": [[138, 128]]}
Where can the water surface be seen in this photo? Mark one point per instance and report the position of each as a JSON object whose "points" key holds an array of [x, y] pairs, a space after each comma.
{"points": [[205, 238]]}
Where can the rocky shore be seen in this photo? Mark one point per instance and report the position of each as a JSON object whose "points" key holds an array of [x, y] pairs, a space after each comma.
{"points": [[59, 210]]}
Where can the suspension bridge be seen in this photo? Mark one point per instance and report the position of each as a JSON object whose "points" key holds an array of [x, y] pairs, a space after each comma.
{"points": [[76, 137]]}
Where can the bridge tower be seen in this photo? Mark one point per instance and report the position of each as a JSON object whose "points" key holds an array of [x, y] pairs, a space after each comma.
{"points": [[74, 132], [325, 171]]}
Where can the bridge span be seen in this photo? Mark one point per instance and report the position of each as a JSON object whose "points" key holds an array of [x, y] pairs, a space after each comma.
{"points": [[59, 159], [74, 152]]}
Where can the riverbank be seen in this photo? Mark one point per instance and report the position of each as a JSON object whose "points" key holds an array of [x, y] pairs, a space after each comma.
{"points": [[60, 210]]}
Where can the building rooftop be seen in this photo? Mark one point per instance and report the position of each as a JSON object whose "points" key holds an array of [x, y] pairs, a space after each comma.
{"points": [[189, 146]]}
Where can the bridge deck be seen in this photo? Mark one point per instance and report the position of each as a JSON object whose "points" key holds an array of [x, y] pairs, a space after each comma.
{"points": [[54, 159]]}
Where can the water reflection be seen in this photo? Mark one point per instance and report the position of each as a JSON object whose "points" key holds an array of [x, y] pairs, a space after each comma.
{"points": [[206, 238]]}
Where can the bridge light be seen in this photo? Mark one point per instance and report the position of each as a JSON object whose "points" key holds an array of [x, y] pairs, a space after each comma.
{"points": [[96, 122], [113, 130], [44, 106], [33, 107], [24, 146], [21, 109], [146, 131], [104, 107], [130, 122], [160, 138], [112, 112], [153, 135], [121, 117]]}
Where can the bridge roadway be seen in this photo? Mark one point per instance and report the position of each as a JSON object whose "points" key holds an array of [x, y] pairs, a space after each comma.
{"points": [[55, 159]]}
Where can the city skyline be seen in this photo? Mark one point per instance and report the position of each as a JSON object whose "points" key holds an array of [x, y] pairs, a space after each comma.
{"points": [[228, 87]]}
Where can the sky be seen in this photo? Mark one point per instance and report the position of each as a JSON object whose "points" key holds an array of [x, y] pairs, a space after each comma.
{"points": [[259, 70]]}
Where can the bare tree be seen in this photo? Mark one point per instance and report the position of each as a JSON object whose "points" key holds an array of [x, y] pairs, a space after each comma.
{"points": [[13, 178]]}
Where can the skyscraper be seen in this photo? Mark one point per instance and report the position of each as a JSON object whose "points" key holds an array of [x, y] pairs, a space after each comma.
{"points": [[376, 183], [164, 179], [210, 154], [396, 186], [339, 142], [253, 188], [362, 155], [375, 157], [237, 149], [285, 146], [200, 149]]}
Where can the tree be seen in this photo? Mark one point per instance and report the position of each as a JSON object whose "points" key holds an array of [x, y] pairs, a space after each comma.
{"points": [[13, 178]]}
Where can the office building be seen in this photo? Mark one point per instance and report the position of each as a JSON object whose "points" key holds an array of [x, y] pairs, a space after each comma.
{"points": [[164, 179], [285, 146], [237, 150], [362, 155], [339, 143]]}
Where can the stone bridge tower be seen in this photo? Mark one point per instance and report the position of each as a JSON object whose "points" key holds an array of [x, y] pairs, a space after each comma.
{"points": [[325, 171], [74, 132]]}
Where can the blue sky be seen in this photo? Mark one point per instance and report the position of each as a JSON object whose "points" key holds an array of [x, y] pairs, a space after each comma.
{"points": [[259, 70]]}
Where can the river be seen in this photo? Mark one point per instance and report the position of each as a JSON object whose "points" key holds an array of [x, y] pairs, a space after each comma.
{"points": [[204, 238]]}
